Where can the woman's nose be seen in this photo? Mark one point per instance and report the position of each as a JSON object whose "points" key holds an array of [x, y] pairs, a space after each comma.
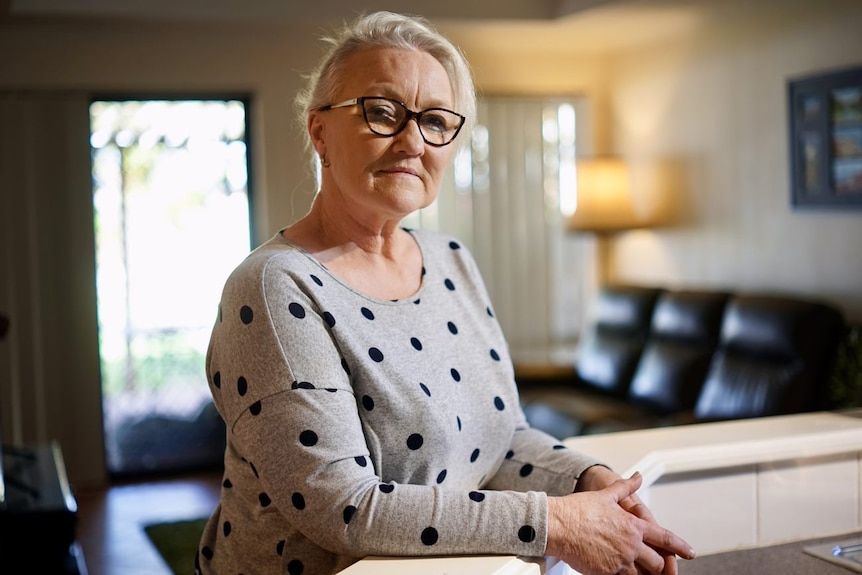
{"points": [[410, 139]]}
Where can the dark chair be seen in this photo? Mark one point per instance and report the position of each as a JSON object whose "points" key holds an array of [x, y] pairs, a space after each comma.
{"points": [[773, 358]]}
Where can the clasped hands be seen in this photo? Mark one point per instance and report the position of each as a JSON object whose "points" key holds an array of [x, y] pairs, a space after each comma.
{"points": [[605, 529]]}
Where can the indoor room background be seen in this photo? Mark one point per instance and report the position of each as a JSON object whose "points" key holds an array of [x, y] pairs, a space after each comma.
{"points": [[692, 94]]}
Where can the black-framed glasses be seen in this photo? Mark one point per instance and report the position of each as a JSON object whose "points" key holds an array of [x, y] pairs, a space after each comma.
{"points": [[387, 117]]}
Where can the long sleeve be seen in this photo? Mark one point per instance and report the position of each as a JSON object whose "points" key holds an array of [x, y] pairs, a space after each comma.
{"points": [[358, 426]]}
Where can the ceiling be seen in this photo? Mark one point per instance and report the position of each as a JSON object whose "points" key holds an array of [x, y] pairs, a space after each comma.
{"points": [[306, 11], [572, 26]]}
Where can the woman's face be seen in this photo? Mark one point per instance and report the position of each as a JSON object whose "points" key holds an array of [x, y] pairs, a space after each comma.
{"points": [[377, 176]]}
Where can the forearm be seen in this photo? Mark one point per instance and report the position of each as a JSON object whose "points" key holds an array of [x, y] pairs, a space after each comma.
{"points": [[537, 461]]}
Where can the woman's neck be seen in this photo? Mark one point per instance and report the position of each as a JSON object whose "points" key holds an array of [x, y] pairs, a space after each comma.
{"points": [[381, 260]]}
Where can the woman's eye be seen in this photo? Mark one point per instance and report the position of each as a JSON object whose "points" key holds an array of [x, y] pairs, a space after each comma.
{"points": [[434, 122], [382, 114]]}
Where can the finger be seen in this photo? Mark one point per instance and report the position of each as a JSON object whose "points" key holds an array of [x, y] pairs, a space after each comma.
{"points": [[666, 540], [671, 566], [636, 507], [649, 560], [625, 488]]}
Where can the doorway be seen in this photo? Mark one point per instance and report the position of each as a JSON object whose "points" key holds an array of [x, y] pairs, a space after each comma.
{"points": [[171, 205]]}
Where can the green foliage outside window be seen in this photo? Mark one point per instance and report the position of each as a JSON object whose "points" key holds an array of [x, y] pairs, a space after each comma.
{"points": [[158, 361]]}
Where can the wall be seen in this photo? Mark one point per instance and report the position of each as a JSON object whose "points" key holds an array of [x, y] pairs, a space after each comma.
{"points": [[263, 60], [706, 119]]}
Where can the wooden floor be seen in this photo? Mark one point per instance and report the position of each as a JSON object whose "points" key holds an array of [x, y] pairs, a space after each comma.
{"points": [[111, 522]]}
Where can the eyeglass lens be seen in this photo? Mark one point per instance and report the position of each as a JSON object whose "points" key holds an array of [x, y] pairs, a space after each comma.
{"points": [[387, 117]]}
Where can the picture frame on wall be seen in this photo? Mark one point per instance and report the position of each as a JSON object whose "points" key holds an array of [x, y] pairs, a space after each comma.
{"points": [[826, 139]]}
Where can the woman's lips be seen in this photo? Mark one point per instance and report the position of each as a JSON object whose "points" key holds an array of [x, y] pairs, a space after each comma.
{"points": [[400, 170]]}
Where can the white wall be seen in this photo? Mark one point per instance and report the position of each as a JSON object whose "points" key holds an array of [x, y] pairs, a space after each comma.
{"points": [[709, 113], [126, 58]]}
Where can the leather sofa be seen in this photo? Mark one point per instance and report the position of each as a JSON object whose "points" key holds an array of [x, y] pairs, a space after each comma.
{"points": [[656, 357]]}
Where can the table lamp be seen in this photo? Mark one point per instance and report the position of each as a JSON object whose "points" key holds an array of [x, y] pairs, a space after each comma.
{"points": [[604, 204]]}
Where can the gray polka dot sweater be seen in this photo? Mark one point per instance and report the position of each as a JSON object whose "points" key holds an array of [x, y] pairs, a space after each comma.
{"points": [[365, 427]]}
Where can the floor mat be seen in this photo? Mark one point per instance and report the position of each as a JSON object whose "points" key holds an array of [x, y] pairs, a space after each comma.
{"points": [[177, 543]]}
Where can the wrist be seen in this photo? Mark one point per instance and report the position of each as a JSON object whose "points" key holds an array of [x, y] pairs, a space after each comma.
{"points": [[552, 544], [594, 477]]}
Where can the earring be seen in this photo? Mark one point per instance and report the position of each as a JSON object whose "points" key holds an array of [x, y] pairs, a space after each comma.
{"points": [[323, 161]]}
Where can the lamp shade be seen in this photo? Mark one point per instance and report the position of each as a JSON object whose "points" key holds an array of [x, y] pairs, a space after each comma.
{"points": [[604, 195]]}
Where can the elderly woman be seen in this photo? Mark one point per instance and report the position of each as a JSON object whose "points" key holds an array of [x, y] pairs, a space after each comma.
{"points": [[367, 388]]}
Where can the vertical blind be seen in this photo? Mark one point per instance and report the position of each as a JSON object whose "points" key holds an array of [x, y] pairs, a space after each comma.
{"points": [[503, 200], [49, 362]]}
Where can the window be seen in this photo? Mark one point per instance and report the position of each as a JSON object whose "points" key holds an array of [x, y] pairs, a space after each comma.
{"points": [[171, 207]]}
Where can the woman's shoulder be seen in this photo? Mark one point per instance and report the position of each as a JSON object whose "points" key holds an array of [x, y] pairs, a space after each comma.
{"points": [[274, 255]]}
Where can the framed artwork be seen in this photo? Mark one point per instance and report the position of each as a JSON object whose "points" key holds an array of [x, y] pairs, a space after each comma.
{"points": [[826, 139]]}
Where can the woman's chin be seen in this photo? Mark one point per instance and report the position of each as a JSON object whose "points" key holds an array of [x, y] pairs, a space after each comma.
{"points": [[408, 199]]}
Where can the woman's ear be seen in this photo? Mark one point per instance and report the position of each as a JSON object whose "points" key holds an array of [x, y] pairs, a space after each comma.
{"points": [[317, 132]]}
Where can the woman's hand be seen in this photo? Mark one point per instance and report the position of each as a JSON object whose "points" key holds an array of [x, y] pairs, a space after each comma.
{"points": [[606, 530], [598, 477]]}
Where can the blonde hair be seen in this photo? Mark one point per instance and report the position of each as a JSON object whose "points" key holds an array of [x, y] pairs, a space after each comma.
{"points": [[387, 30]]}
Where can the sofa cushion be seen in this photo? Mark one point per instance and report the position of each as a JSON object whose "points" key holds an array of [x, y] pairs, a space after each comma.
{"points": [[608, 357], [772, 359], [684, 334]]}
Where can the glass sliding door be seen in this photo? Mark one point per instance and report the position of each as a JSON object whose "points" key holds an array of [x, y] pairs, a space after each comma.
{"points": [[172, 218]]}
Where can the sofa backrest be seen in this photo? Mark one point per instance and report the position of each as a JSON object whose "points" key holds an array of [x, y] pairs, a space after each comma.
{"points": [[774, 357], [713, 354], [684, 334], [609, 354]]}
